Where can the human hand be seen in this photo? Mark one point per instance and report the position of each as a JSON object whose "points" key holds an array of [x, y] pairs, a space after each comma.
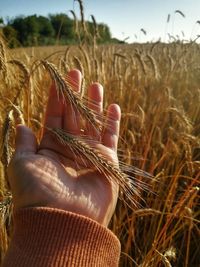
{"points": [[49, 175]]}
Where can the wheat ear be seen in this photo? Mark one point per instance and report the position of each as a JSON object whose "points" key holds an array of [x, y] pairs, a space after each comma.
{"points": [[79, 66], [3, 59], [110, 169], [65, 89], [5, 150]]}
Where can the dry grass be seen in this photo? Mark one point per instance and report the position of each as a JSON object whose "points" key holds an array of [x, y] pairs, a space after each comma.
{"points": [[157, 87]]}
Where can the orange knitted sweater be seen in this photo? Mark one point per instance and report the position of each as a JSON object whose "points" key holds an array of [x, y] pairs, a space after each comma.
{"points": [[46, 237]]}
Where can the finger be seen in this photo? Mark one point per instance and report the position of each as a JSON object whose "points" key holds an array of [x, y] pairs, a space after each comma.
{"points": [[54, 110], [71, 114], [111, 131], [25, 140], [95, 103]]}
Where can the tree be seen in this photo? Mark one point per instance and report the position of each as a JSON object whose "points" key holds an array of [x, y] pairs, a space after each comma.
{"points": [[32, 29], [21, 28], [63, 27], [104, 32], [11, 36], [45, 27], [101, 31], [39, 30], [46, 31], [27, 29]]}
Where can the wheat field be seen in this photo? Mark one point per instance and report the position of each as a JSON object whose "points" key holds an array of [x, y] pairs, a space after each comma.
{"points": [[158, 88]]}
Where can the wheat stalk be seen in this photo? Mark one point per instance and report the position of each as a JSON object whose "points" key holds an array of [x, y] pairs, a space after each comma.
{"points": [[86, 58], [168, 18], [154, 65], [82, 15], [143, 31], [141, 62], [78, 64], [180, 12], [76, 30], [95, 25]]}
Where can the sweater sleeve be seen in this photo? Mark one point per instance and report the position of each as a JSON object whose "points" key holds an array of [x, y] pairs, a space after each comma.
{"points": [[53, 237]]}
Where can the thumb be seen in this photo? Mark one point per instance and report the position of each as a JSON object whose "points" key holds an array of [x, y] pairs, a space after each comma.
{"points": [[25, 141]]}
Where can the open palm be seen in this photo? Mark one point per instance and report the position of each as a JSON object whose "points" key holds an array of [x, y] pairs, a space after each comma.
{"points": [[47, 174]]}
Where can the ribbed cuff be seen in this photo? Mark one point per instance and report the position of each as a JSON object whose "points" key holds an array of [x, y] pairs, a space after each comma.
{"points": [[53, 237]]}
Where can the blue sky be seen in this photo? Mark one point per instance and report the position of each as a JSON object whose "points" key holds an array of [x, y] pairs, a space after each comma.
{"points": [[124, 17]]}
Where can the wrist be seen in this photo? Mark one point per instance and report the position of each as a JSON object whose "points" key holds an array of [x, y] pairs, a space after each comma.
{"points": [[43, 236]]}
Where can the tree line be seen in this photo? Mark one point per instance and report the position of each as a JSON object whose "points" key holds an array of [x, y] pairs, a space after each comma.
{"points": [[59, 29]]}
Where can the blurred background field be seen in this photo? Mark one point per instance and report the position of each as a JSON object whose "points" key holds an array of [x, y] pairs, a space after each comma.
{"points": [[157, 85]]}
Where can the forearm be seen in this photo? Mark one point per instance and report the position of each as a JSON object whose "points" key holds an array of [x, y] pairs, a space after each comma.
{"points": [[52, 237]]}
